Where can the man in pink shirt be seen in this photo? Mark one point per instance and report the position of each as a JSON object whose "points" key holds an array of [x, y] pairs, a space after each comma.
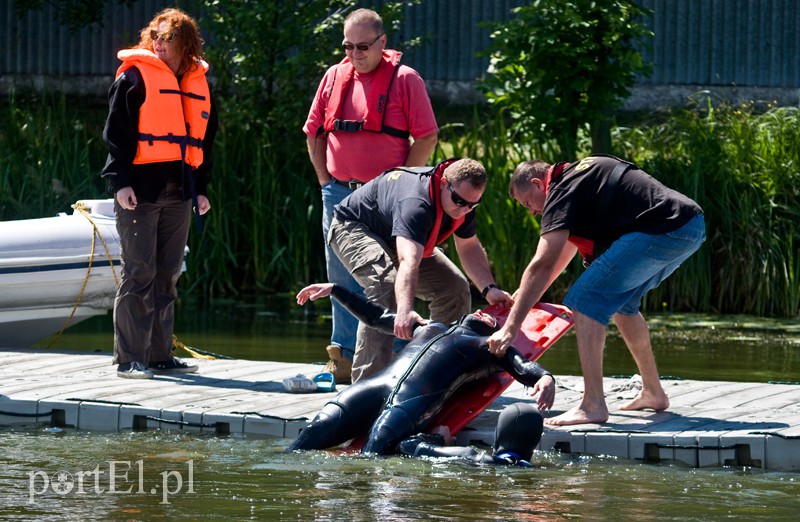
{"points": [[370, 114]]}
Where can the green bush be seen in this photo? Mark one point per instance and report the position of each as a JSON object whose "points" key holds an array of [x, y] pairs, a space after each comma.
{"points": [[740, 166], [265, 233], [744, 170], [559, 65]]}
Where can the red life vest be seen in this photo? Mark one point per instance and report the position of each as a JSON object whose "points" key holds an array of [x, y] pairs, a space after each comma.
{"points": [[173, 118], [437, 235], [376, 104]]}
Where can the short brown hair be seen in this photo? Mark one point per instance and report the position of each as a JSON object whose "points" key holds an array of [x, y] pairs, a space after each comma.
{"points": [[185, 37], [469, 170], [366, 17], [526, 172]]}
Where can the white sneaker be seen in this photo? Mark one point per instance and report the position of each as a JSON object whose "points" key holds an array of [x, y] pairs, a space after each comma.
{"points": [[299, 384], [133, 370]]}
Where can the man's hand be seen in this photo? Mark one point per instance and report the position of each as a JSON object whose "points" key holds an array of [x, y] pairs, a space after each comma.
{"points": [[126, 198], [500, 297], [314, 292], [405, 322], [546, 389], [499, 341]]}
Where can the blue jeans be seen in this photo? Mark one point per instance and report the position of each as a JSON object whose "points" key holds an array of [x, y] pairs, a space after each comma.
{"points": [[345, 325], [636, 263]]}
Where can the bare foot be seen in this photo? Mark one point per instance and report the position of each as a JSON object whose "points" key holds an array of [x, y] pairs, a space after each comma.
{"points": [[644, 401], [578, 416]]}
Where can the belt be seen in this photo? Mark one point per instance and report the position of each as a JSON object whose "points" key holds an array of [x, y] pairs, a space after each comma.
{"points": [[352, 184]]}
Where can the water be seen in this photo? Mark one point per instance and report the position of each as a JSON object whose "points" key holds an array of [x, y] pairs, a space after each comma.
{"points": [[201, 477], [242, 478], [735, 348]]}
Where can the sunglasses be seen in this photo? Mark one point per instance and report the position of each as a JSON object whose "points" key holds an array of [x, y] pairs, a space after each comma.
{"points": [[459, 201], [166, 37], [361, 47]]}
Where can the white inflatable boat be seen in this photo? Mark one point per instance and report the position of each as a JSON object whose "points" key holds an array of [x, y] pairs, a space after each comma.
{"points": [[57, 271]]}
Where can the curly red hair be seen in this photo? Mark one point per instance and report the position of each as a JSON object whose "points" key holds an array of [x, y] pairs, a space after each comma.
{"points": [[185, 36]]}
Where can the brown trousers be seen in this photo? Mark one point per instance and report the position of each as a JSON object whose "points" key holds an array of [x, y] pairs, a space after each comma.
{"points": [[152, 240]]}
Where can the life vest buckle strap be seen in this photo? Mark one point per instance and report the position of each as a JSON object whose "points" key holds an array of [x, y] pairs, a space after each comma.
{"points": [[172, 138], [348, 125]]}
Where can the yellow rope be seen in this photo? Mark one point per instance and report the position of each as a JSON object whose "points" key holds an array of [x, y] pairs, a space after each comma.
{"points": [[79, 207], [84, 211], [177, 344]]}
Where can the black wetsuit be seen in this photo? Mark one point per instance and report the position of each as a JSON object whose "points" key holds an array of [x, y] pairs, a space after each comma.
{"points": [[400, 400], [518, 432]]}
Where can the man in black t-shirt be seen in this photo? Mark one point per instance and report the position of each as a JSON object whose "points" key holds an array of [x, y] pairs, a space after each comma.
{"points": [[632, 232], [386, 233]]}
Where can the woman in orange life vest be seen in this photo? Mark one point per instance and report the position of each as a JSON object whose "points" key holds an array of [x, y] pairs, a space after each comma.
{"points": [[160, 130]]}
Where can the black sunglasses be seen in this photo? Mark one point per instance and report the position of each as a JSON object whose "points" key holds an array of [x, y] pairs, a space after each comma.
{"points": [[361, 47], [459, 201], [166, 37]]}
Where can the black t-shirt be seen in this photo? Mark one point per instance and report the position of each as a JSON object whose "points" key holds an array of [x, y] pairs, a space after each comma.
{"points": [[639, 203], [398, 203]]}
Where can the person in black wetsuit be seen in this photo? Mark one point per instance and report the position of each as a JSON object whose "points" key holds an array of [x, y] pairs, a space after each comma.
{"points": [[518, 432], [400, 400]]}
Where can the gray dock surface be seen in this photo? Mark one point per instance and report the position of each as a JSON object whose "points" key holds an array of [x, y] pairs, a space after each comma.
{"points": [[709, 423]]}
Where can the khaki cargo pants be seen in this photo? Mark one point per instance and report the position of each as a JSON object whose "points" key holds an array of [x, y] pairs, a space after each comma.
{"points": [[373, 263]]}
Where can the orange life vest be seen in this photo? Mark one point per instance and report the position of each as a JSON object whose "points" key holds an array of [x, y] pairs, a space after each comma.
{"points": [[376, 104], [437, 235], [173, 118]]}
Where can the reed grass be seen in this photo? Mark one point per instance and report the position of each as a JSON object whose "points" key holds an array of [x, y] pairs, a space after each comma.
{"points": [[264, 234], [47, 150], [507, 231], [743, 169]]}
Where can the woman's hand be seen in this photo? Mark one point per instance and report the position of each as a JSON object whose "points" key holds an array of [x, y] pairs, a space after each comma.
{"points": [[203, 205], [126, 198]]}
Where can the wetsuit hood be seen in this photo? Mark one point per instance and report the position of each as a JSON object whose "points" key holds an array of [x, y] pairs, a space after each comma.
{"points": [[471, 322]]}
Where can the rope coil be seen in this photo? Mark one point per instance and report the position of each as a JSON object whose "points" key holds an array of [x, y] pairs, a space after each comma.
{"points": [[84, 211]]}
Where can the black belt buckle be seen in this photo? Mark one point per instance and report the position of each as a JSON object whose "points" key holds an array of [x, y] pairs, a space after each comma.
{"points": [[351, 184]]}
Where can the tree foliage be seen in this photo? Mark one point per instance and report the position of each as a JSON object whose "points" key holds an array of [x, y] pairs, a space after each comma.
{"points": [[71, 13], [557, 65], [267, 59]]}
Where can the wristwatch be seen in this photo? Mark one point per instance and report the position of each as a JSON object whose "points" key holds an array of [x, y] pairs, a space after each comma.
{"points": [[485, 291]]}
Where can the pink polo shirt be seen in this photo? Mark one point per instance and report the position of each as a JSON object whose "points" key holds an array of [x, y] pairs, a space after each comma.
{"points": [[364, 155]]}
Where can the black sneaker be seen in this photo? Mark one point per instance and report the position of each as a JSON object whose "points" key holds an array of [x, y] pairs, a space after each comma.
{"points": [[172, 365], [133, 370]]}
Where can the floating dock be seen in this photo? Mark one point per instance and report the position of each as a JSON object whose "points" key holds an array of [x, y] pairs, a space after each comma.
{"points": [[709, 424]]}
